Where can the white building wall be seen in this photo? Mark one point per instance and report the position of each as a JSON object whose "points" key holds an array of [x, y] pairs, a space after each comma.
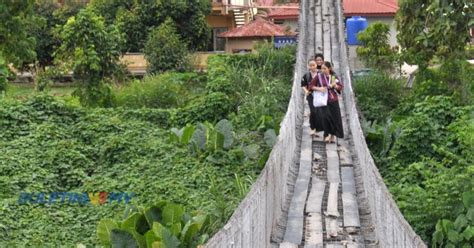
{"points": [[354, 62]]}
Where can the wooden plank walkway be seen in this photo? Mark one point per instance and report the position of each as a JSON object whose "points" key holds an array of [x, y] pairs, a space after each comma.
{"points": [[324, 210]]}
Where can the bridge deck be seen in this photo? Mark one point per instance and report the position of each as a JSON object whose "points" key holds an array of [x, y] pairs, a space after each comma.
{"points": [[324, 210]]}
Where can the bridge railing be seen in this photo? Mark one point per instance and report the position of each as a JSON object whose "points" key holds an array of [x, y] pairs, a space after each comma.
{"points": [[391, 228]]}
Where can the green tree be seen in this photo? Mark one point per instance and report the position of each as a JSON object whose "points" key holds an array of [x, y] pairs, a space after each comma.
{"points": [[131, 25], [136, 21], [45, 40], [50, 15], [16, 45], [92, 51], [164, 49], [375, 50], [110, 8], [189, 16], [429, 28]]}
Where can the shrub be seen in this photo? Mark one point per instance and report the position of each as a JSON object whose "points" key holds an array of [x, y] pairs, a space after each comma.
{"points": [[168, 90], [249, 79], [219, 71], [377, 94], [165, 50], [453, 78], [211, 108], [459, 233], [375, 50], [95, 94]]}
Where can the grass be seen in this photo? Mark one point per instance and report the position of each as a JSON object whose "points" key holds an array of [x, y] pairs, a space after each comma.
{"points": [[23, 90]]}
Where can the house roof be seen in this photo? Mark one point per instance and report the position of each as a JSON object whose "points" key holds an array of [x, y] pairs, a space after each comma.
{"points": [[284, 14], [257, 28], [370, 7], [265, 2]]}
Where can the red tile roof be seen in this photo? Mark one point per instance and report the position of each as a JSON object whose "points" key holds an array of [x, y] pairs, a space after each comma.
{"points": [[284, 14], [265, 2], [370, 7], [257, 28]]}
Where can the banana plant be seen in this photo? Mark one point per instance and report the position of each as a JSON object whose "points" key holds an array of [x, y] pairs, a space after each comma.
{"points": [[208, 137], [181, 136], [204, 137], [164, 225]]}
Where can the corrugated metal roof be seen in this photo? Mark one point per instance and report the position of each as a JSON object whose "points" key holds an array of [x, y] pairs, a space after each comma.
{"points": [[257, 28], [370, 7]]}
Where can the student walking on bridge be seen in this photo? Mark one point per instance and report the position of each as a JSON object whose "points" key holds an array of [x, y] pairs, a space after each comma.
{"points": [[327, 81], [314, 66]]}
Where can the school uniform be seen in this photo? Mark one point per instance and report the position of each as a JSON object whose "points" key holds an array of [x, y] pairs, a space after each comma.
{"points": [[330, 114], [315, 122]]}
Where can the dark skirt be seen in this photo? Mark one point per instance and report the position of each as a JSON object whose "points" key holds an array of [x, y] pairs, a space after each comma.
{"points": [[315, 117], [332, 123]]}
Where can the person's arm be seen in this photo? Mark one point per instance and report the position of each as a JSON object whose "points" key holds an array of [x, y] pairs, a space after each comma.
{"points": [[304, 84], [314, 85], [338, 85]]}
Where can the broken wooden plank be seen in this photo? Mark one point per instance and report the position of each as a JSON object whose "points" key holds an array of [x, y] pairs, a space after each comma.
{"points": [[332, 164], [314, 230], [332, 200], [331, 227]]}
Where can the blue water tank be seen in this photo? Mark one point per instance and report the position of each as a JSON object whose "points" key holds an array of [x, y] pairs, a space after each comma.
{"points": [[354, 25]]}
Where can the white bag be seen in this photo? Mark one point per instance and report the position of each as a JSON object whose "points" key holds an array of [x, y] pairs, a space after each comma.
{"points": [[320, 99]]}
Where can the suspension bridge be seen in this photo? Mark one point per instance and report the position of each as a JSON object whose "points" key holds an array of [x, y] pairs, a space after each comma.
{"points": [[313, 194]]}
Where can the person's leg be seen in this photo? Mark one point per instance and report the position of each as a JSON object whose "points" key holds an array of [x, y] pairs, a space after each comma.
{"points": [[312, 115], [338, 130], [325, 121], [309, 98]]}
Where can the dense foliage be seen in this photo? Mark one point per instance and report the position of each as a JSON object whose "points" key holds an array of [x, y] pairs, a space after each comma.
{"points": [[167, 90], [91, 50], [49, 146], [49, 17], [3, 75], [459, 233], [165, 50], [16, 45], [377, 95], [433, 28], [136, 19], [161, 225], [423, 143], [375, 50], [423, 147]]}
